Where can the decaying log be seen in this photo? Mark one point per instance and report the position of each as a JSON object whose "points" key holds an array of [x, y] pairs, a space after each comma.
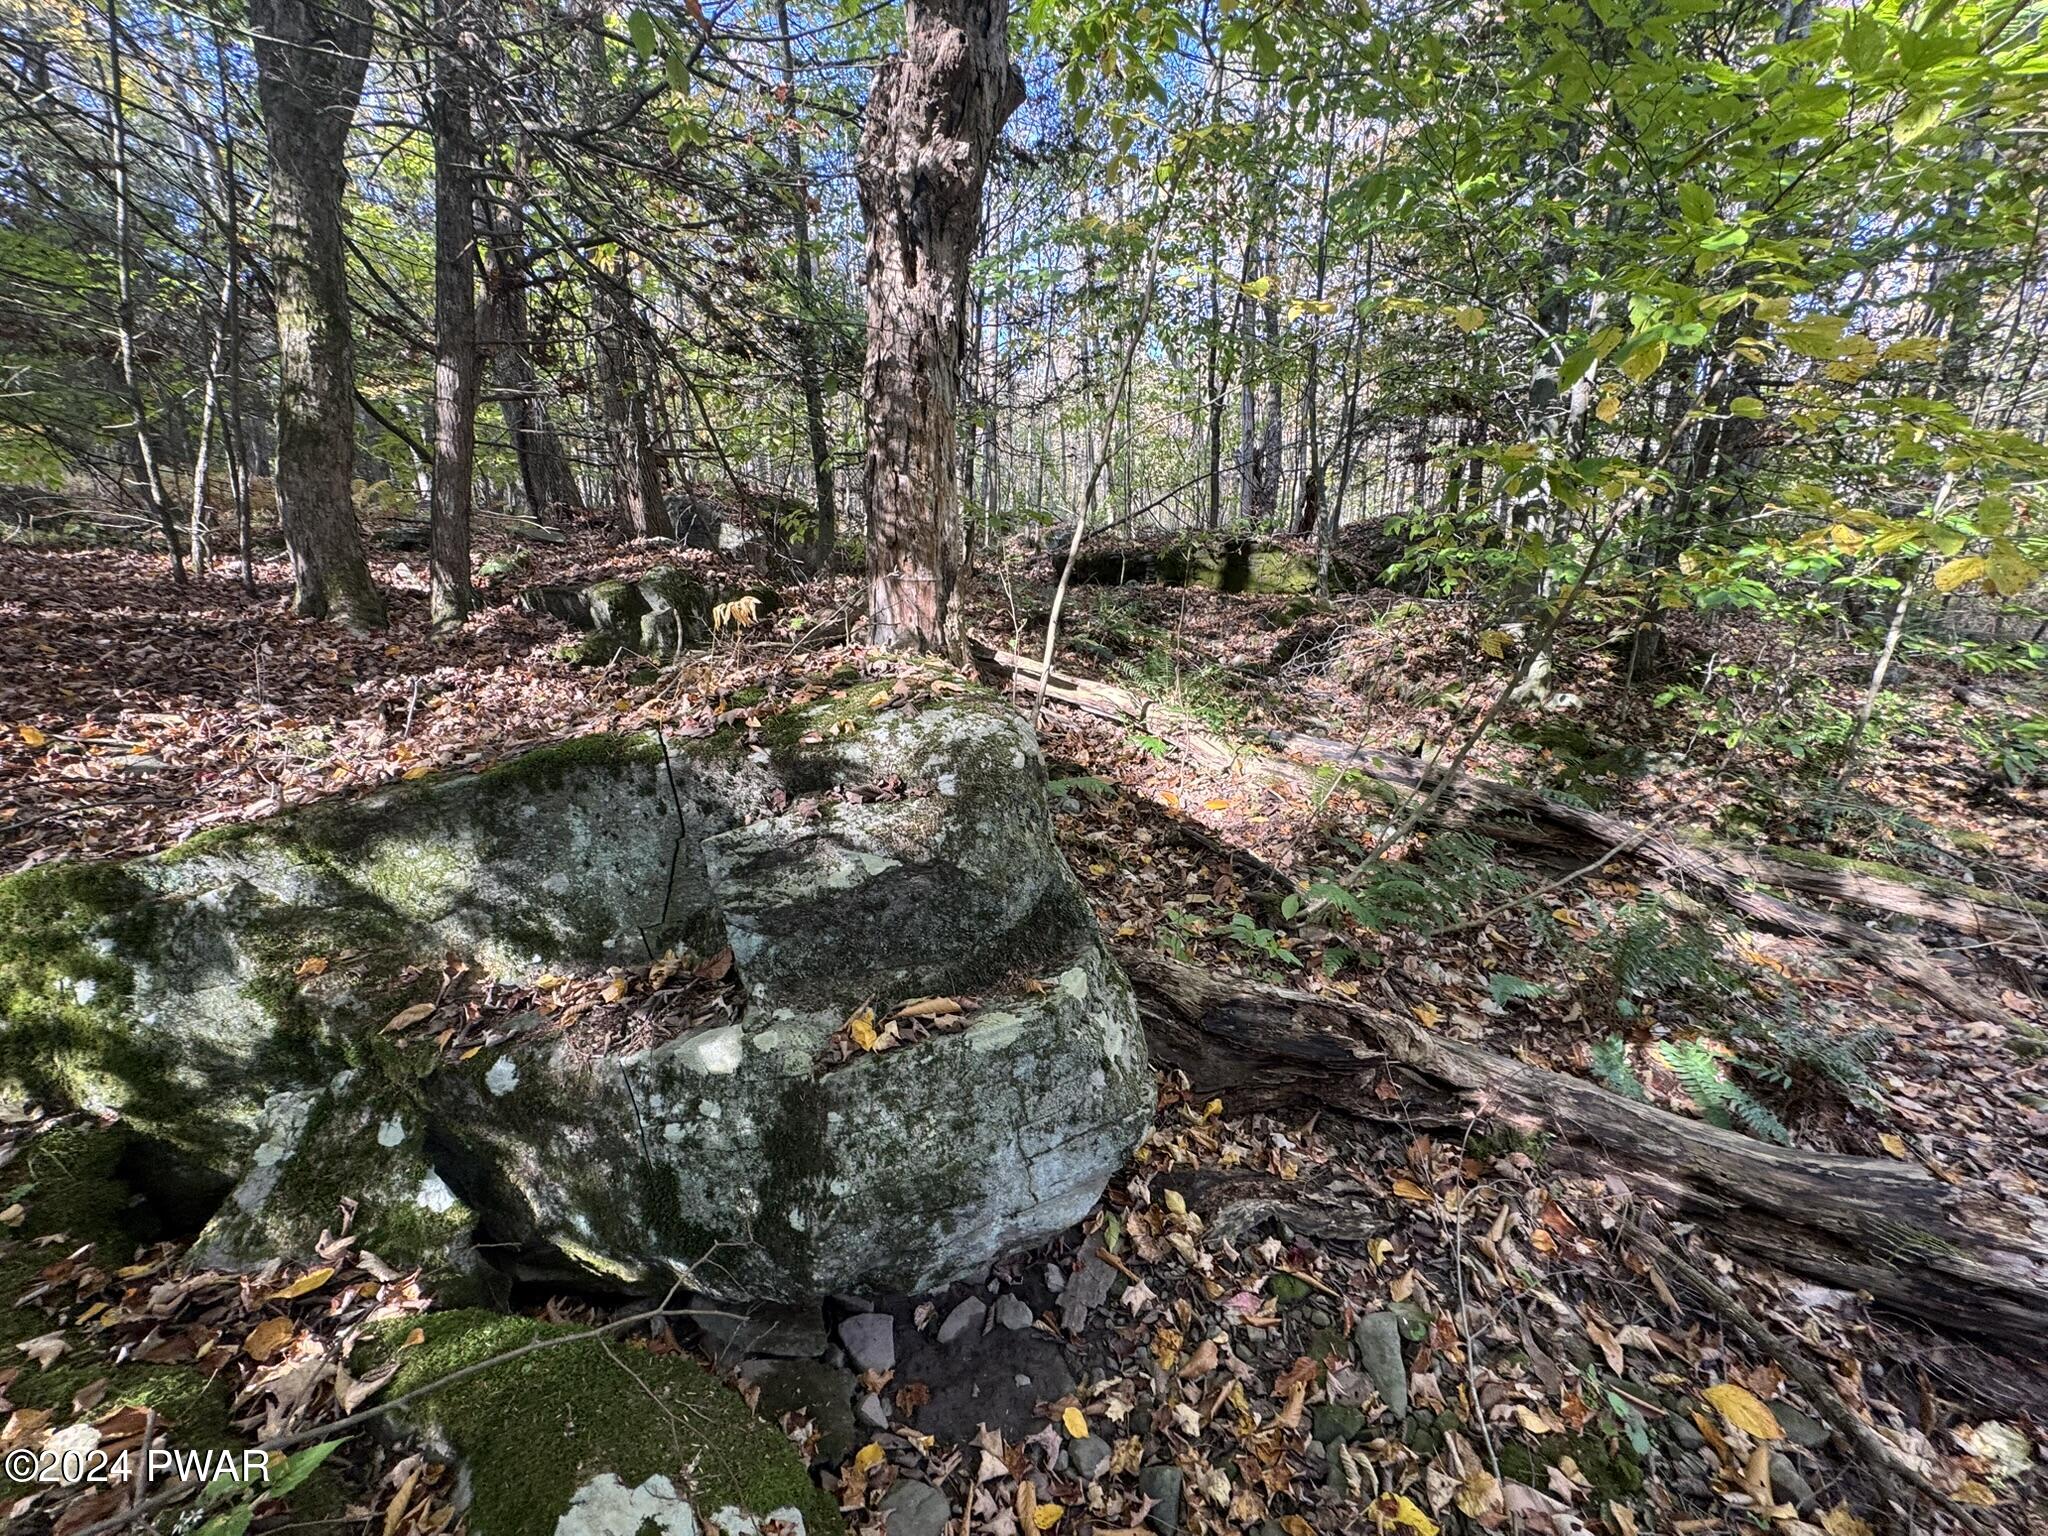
{"points": [[1544, 821], [1958, 1262]]}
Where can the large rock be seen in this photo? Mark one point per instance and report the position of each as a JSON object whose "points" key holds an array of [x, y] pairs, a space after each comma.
{"points": [[657, 617], [848, 857], [595, 1438]]}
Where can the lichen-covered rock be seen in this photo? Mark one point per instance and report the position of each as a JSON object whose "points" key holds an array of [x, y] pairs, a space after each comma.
{"points": [[360, 1140], [593, 1438], [228, 998], [658, 617], [183, 990]]}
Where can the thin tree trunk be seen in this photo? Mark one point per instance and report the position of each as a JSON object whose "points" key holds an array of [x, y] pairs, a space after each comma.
{"points": [[124, 288], [932, 119], [455, 334], [636, 472], [234, 427], [200, 532], [311, 58], [810, 374]]}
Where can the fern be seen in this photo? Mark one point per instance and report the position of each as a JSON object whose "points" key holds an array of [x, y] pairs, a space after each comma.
{"points": [[1722, 1101], [1611, 1066]]}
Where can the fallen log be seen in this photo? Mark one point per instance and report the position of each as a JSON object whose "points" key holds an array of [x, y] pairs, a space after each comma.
{"points": [[1959, 1262], [1467, 797]]}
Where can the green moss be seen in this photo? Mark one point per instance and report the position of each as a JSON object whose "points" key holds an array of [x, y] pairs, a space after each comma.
{"points": [[1614, 1472], [552, 767], [68, 1180], [533, 1430]]}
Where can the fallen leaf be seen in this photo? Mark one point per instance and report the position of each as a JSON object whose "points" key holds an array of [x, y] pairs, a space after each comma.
{"points": [[405, 1018], [1842, 1521], [1392, 1511], [1075, 1422], [305, 1285], [267, 1338], [1893, 1144], [45, 1349], [1046, 1516], [1744, 1410], [33, 737], [861, 1029], [868, 1457], [928, 1008], [312, 965]]}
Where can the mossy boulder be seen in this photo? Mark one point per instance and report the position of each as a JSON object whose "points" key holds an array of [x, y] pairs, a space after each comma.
{"points": [[595, 1437], [658, 617], [228, 998]]}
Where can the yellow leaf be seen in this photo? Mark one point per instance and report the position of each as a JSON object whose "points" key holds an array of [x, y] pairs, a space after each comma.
{"points": [[305, 1285], [1394, 1510], [615, 990], [862, 1028], [14, 1215], [1428, 1014], [1495, 643], [312, 965], [1608, 408], [1175, 1202], [267, 1338], [1408, 1189], [417, 771], [1075, 1422], [868, 1457], [1216, 805], [1744, 1410], [1892, 1144], [1468, 318], [32, 736], [1046, 1516], [1959, 573], [1842, 1521]]}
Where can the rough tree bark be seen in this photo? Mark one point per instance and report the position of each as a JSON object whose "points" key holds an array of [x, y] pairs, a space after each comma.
{"points": [[546, 482], [311, 56], [455, 334], [932, 120], [629, 438], [1958, 1262]]}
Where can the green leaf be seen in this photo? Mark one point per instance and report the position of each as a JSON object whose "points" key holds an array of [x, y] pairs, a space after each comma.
{"points": [[1696, 203], [1638, 363], [1748, 407], [640, 26], [300, 1466], [1863, 42]]}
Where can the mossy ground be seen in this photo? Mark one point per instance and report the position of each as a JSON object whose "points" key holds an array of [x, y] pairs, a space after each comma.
{"points": [[534, 1430], [69, 1183]]}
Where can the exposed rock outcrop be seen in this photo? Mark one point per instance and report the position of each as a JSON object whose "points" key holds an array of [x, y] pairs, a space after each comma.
{"points": [[230, 998]]}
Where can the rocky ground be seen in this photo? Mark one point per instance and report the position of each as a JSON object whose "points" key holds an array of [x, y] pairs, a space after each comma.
{"points": [[1439, 1329]]}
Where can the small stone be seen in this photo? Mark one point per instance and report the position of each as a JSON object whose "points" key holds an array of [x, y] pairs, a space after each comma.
{"points": [[869, 1410], [1013, 1314], [963, 1320], [1321, 1317], [1162, 1486], [1801, 1427], [1377, 1342], [916, 1509], [1788, 1484], [1687, 1433], [1089, 1455], [1055, 1279], [870, 1341], [1088, 1289], [794, 1333], [823, 1392], [1338, 1421]]}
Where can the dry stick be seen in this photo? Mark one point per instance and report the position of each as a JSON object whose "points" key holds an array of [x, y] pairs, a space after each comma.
{"points": [[363, 1416], [1890, 1469], [1634, 840]]}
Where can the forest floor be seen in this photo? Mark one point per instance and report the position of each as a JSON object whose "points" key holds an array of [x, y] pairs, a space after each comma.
{"points": [[1571, 1385]]}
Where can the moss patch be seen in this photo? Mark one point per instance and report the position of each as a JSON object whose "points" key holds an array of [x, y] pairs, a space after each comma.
{"points": [[534, 1430], [68, 1182]]}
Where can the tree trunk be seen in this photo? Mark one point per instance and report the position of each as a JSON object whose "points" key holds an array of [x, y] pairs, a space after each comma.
{"points": [[546, 482], [311, 57], [810, 374], [1958, 1262], [455, 336], [233, 436], [636, 471], [932, 120], [145, 453]]}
